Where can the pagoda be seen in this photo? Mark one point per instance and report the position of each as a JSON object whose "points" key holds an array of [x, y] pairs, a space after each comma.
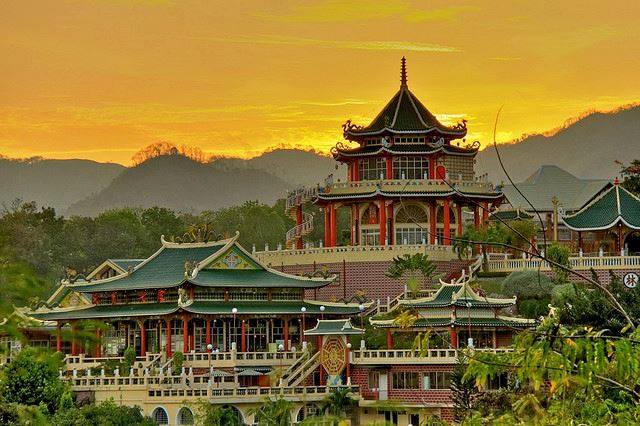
{"points": [[189, 297], [408, 181]]}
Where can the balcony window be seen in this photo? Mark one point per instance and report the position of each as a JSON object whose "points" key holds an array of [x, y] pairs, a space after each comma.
{"points": [[436, 380], [411, 224], [370, 237], [406, 380], [372, 168], [410, 167]]}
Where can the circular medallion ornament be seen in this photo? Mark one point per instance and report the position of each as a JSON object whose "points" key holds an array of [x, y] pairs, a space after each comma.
{"points": [[333, 356], [631, 279]]}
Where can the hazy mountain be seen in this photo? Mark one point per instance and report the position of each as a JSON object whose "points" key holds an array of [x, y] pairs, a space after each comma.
{"points": [[586, 148], [56, 183], [185, 185], [291, 165]]}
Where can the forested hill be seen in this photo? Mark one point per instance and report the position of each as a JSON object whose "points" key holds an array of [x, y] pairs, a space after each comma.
{"points": [[55, 183], [587, 148], [184, 185]]}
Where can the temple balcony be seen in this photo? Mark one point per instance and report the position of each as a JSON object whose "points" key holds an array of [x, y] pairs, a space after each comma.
{"points": [[361, 187], [506, 264], [360, 253], [411, 357]]}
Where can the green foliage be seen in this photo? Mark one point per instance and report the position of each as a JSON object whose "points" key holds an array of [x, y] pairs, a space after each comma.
{"points": [[631, 177], [216, 415], [339, 402], [559, 254], [533, 290], [565, 376], [107, 413], [463, 390], [413, 267], [495, 235], [590, 307], [178, 362], [129, 358], [276, 412], [32, 378]]}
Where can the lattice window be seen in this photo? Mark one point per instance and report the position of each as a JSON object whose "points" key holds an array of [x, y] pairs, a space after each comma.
{"points": [[410, 167], [372, 168], [406, 380]]}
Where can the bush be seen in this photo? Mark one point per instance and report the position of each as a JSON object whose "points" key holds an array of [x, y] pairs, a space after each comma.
{"points": [[559, 254], [178, 361], [527, 285]]}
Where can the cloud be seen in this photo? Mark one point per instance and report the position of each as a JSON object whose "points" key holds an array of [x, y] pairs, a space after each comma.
{"points": [[405, 46]]}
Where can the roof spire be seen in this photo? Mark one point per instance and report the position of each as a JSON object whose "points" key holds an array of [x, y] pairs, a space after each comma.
{"points": [[403, 72]]}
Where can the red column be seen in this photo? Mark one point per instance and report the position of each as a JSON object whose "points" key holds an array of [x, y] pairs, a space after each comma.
{"points": [[327, 226], [357, 225], [97, 351], [143, 338], [432, 223], [348, 363], [447, 223], [286, 333], [168, 334], [207, 331], [454, 338], [74, 345], [356, 170], [185, 333], [243, 334], [353, 224], [382, 213], [299, 243], [389, 161], [389, 339], [459, 218], [59, 338], [390, 223], [333, 227], [485, 212]]}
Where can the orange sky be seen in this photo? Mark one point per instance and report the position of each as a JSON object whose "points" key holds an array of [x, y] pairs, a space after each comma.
{"points": [[100, 79]]}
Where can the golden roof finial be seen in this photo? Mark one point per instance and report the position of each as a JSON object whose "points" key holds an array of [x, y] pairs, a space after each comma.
{"points": [[403, 72]]}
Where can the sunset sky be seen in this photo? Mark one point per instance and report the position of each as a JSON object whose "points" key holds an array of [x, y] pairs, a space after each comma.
{"points": [[100, 79]]}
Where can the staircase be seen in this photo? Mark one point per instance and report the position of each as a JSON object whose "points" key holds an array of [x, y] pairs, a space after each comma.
{"points": [[296, 376], [293, 367], [293, 206]]}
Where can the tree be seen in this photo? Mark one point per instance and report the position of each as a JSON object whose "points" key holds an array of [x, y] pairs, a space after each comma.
{"points": [[631, 176], [32, 378], [107, 413], [559, 254], [413, 267], [463, 390], [533, 290], [339, 402], [276, 412], [217, 415]]}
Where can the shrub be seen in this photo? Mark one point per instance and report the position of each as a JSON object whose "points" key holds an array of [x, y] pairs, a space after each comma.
{"points": [[178, 361], [527, 285]]}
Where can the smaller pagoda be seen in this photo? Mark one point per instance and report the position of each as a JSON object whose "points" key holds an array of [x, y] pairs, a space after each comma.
{"points": [[461, 312], [610, 218]]}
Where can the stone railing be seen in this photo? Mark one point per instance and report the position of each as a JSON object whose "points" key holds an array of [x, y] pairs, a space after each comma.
{"points": [[352, 254], [577, 263], [410, 356], [407, 185]]}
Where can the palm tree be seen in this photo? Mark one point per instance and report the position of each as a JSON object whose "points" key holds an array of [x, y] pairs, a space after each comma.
{"points": [[339, 402], [413, 267], [273, 412]]}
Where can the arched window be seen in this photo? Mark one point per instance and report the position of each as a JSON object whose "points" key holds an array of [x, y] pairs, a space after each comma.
{"points": [[160, 416], [185, 416], [411, 224], [307, 411], [369, 226]]}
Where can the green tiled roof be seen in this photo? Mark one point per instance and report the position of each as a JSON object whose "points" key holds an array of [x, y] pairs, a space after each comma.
{"points": [[124, 264], [253, 278], [416, 148], [404, 113], [197, 307], [464, 322], [413, 192], [164, 270], [447, 295], [326, 327], [612, 206]]}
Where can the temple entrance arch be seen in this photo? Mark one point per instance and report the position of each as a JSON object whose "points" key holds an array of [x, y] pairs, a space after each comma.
{"points": [[411, 224], [632, 242]]}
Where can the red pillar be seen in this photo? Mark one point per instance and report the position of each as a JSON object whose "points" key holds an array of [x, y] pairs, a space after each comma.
{"points": [[243, 336], [485, 212], [207, 329], [168, 334], [97, 351], [333, 232], [390, 223], [299, 242], [389, 161], [383, 222], [59, 338], [348, 363], [143, 338], [74, 345], [356, 170], [447, 223], [476, 217], [459, 219], [389, 339], [286, 333], [327, 226], [353, 224], [432, 223], [454, 338], [185, 333]]}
